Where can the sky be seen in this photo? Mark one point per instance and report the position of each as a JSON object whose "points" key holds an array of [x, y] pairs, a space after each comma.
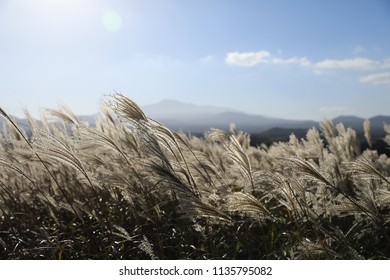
{"points": [[302, 59]]}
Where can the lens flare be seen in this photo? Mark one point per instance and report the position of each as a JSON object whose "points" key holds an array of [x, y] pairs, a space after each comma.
{"points": [[112, 21]]}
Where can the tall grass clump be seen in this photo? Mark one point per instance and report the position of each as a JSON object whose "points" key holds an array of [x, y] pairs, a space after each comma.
{"points": [[130, 188]]}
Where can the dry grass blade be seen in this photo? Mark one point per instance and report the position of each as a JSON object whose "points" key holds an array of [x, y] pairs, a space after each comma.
{"points": [[93, 137], [123, 233], [328, 129], [364, 168], [19, 171], [43, 164], [106, 114], [147, 248], [64, 114], [53, 148], [291, 193], [367, 132], [383, 199], [246, 203], [387, 130], [173, 180], [234, 151], [362, 207], [125, 107], [307, 168], [195, 208], [219, 136], [15, 126], [30, 120]]}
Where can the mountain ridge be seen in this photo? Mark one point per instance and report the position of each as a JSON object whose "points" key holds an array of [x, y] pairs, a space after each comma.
{"points": [[182, 116]]}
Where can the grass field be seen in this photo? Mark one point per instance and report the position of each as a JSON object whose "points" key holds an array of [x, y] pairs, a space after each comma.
{"points": [[130, 188]]}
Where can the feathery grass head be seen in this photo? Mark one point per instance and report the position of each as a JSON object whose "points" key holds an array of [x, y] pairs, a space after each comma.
{"points": [[367, 132], [126, 108]]}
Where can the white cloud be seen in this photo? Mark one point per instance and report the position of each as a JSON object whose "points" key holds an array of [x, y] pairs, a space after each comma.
{"points": [[355, 63], [247, 59], [250, 59], [377, 79], [302, 61]]}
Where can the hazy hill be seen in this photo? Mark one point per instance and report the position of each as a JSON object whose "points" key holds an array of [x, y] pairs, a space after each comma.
{"points": [[378, 121], [173, 110], [349, 121], [356, 123], [189, 117]]}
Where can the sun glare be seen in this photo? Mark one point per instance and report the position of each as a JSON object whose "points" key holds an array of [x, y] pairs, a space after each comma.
{"points": [[55, 10], [60, 4], [48, 19]]}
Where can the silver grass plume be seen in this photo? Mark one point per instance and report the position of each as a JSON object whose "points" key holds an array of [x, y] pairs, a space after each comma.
{"points": [[305, 167], [64, 114], [364, 169], [367, 132], [247, 203], [387, 129], [328, 130], [193, 207], [44, 164], [234, 151], [147, 248], [125, 107]]}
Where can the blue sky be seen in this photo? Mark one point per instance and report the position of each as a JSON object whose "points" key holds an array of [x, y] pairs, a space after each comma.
{"points": [[293, 59]]}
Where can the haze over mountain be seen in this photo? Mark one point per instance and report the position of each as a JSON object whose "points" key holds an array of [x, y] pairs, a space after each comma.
{"points": [[196, 119], [172, 109]]}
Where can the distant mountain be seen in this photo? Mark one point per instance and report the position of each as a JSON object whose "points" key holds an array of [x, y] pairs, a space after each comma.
{"points": [[379, 121], [283, 133], [277, 134], [349, 121], [356, 123], [174, 110], [197, 119]]}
